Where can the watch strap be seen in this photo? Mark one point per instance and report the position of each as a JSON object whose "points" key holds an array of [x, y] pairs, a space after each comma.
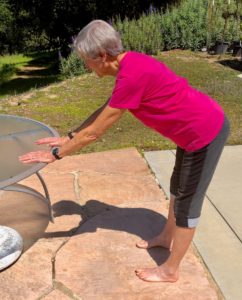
{"points": [[70, 134]]}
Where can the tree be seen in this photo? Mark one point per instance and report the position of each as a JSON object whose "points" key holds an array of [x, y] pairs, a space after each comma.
{"points": [[6, 20], [57, 21]]}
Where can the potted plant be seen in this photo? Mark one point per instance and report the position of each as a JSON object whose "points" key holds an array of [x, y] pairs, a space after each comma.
{"points": [[221, 47], [237, 48], [221, 44]]}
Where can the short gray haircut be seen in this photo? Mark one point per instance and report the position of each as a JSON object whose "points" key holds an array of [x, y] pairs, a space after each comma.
{"points": [[97, 38]]}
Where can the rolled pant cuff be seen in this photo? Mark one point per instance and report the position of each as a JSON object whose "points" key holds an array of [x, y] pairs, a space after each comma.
{"points": [[188, 223]]}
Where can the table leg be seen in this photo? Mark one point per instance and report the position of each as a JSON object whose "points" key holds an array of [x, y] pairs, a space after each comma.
{"points": [[47, 195]]}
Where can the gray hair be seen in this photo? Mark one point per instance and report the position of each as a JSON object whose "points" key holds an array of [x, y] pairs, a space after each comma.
{"points": [[96, 38]]}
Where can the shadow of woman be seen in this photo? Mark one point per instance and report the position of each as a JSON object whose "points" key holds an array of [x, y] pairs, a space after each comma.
{"points": [[141, 222]]}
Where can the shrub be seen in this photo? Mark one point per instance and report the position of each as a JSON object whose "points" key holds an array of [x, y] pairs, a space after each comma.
{"points": [[189, 25], [224, 21], [185, 26], [6, 72], [72, 66], [143, 34], [178, 27]]}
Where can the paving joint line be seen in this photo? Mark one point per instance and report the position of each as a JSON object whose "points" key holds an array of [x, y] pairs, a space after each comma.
{"points": [[226, 222], [55, 284], [66, 291], [45, 294], [77, 190], [156, 179]]}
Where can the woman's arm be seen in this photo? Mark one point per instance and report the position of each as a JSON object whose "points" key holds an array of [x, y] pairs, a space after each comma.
{"points": [[59, 141], [91, 131], [105, 119], [90, 119]]}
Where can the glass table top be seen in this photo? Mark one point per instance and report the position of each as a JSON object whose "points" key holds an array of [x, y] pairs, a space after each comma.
{"points": [[17, 137]]}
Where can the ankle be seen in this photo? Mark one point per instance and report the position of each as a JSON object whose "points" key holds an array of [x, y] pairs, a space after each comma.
{"points": [[166, 236], [170, 269]]}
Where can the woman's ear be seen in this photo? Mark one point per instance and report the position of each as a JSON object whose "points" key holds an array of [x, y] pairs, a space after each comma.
{"points": [[103, 56]]}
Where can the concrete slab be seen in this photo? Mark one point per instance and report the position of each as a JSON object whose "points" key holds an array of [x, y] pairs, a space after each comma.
{"points": [[221, 250], [218, 234], [162, 163], [112, 199], [225, 191]]}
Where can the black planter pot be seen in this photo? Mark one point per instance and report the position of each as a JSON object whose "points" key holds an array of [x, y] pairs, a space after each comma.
{"points": [[237, 48], [221, 47]]}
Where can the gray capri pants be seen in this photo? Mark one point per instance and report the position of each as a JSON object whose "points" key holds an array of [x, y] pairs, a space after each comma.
{"points": [[191, 177]]}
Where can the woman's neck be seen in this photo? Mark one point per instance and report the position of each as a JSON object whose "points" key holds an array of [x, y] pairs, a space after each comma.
{"points": [[114, 64]]}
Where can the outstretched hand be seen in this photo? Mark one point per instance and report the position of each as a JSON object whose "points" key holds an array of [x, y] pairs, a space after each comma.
{"points": [[36, 157], [44, 156], [53, 141]]}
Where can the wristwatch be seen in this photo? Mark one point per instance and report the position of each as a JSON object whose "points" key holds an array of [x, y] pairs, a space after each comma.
{"points": [[55, 152], [70, 134]]}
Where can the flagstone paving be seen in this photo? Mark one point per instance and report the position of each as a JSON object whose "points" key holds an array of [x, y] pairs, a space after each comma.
{"points": [[103, 203]]}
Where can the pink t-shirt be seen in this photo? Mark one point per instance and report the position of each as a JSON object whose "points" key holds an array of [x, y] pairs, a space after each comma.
{"points": [[165, 102]]}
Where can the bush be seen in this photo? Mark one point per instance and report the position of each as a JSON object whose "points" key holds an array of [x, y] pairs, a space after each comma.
{"points": [[224, 21], [143, 34], [179, 27], [188, 25], [185, 26], [6, 72], [72, 66]]}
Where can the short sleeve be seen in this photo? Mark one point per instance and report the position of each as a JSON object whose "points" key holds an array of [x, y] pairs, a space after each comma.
{"points": [[127, 93]]}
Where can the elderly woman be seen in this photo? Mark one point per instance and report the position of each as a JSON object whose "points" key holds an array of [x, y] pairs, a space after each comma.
{"points": [[166, 103]]}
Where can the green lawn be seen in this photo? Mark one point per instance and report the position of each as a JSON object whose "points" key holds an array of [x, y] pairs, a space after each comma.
{"points": [[9, 65], [66, 104], [21, 73]]}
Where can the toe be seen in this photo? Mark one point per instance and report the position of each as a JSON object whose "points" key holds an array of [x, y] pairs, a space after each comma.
{"points": [[140, 272], [142, 244]]}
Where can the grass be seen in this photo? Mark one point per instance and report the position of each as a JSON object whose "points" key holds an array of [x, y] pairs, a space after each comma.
{"points": [[9, 65], [18, 59], [21, 73], [64, 105]]}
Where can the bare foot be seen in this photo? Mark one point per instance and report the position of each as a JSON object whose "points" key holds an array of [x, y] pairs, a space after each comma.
{"points": [[158, 274], [157, 241]]}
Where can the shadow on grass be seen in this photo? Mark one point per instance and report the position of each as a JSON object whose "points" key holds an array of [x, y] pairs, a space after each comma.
{"points": [[20, 85], [7, 71], [41, 71], [232, 63]]}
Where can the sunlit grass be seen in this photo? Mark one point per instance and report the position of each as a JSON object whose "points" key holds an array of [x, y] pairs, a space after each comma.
{"points": [[18, 59], [64, 105], [20, 73]]}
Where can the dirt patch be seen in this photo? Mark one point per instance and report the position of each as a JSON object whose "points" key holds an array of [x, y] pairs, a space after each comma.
{"points": [[32, 68]]}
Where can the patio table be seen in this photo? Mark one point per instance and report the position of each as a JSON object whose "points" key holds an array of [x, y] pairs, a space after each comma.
{"points": [[17, 137]]}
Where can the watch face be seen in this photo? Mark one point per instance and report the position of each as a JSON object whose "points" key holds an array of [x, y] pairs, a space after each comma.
{"points": [[55, 152]]}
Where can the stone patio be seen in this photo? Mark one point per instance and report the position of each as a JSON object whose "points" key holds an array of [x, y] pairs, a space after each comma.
{"points": [[103, 203]]}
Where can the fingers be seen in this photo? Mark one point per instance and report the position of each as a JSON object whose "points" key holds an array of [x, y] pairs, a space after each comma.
{"points": [[47, 140], [53, 141], [36, 157], [54, 144]]}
